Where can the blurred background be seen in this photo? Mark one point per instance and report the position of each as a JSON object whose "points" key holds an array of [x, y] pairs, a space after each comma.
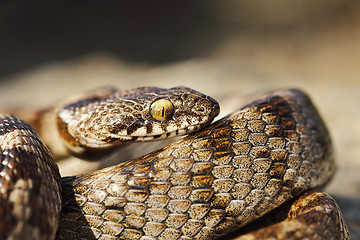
{"points": [[227, 49]]}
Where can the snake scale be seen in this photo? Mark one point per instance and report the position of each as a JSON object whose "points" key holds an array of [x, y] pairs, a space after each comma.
{"points": [[230, 176]]}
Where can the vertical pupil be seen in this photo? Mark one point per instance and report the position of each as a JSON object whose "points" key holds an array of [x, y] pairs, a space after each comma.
{"points": [[163, 112]]}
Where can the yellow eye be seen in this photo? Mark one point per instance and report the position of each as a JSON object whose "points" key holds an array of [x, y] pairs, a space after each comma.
{"points": [[162, 109]]}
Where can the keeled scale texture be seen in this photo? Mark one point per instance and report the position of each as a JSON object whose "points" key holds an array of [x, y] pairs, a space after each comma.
{"points": [[208, 183], [29, 184], [313, 215]]}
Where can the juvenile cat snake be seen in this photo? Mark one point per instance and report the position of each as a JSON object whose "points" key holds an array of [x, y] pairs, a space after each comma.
{"points": [[204, 186]]}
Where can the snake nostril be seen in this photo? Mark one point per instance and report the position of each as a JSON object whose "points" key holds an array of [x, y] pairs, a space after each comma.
{"points": [[200, 109]]}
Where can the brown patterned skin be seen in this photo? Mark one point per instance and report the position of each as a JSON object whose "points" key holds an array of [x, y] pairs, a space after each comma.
{"points": [[104, 118], [29, 179], [311, 215], [214, 181], [29, 184]]}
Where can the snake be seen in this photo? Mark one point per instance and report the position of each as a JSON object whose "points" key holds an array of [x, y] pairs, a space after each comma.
{"points": [[253, 174]]}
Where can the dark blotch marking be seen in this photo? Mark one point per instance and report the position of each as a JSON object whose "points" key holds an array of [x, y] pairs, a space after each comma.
{"points": [[221, 132], [114, 129], [157, 136], [149, 128], [127, 120], [266, 107], [287, 123], [284, 111], [133, 127], [260, 152], [278, 101], [222, 143]]}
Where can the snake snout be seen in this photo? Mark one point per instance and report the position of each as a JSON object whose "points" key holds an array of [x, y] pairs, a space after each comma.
{"points": [[206, 107]]}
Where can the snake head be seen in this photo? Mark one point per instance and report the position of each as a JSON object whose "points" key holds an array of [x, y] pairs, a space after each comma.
{"points": [[106, 118]]}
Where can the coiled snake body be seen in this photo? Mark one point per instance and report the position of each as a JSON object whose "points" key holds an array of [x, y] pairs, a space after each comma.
{"points": [[203, 186]]}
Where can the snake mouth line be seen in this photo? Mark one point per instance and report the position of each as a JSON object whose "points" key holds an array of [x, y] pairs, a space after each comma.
{"points": [[178, 132], [114, 140], [111, 142], [145, 134]]}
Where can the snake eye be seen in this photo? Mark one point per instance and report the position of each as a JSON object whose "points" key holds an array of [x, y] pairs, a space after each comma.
{"points": [[162, 109]]}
